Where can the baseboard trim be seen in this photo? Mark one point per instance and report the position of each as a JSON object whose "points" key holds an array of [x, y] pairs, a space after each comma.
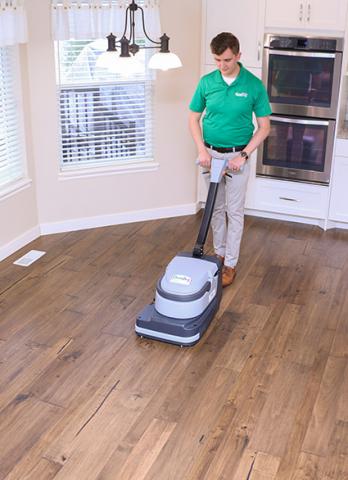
{"points": [[95, 222], [118, 218], [19, 242], [336, 224], [140, 216], [287, 218]]}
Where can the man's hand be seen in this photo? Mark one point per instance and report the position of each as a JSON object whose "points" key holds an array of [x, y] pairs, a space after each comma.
{"points": [[236, 163], [204, 158]]}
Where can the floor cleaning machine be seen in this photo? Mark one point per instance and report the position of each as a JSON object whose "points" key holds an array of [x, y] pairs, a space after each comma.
{"points": [[189, 293]]}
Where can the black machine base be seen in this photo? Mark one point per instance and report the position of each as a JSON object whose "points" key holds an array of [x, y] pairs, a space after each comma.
{"points": [[184, 332]]}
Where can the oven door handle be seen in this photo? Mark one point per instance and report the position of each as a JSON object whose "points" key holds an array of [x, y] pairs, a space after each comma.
{"points": [[298, 53], [300, 121]]}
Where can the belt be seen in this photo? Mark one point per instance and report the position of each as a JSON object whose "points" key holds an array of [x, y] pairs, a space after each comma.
{"points": [[225, 150]]}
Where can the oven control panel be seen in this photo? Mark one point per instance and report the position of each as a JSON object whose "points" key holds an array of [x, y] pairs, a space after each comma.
{"points": [[281, 42]]}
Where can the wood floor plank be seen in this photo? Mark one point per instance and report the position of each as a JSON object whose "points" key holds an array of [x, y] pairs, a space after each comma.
{"points": [[43, 470], [22, 367], [261, 397], [78, 364], [114, 413], [280, 410], [309, 466], [304, 413], [143, 455], [163, 397], [211, 445], [249, 324], [245, 467], [22, 423], [326, 409], [99, 434], [193, 427], [265, 467], [335, 465], [249, 398], [340, 343]]}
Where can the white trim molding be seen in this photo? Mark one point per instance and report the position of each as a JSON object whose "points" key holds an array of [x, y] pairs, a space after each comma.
{"points": [[286, 217], [336, 224], [95, 222], [73, 172], [19, 242], [14, 188], [119, 218]]}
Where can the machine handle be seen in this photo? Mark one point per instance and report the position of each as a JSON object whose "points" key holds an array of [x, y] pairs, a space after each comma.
{"points": [[227, 171], [218, 167]]}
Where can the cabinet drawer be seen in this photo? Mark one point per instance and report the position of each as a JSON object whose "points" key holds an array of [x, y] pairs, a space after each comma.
{"points": [[291, 198]]}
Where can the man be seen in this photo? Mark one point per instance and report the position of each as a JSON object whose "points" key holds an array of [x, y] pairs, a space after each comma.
{"points": [[229, 96]]}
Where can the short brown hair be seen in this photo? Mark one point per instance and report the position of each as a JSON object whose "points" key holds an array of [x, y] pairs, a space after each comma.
{"points": [[223, 41]]}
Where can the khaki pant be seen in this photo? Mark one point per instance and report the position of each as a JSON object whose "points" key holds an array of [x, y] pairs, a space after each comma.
{"points": [[228, 216]]}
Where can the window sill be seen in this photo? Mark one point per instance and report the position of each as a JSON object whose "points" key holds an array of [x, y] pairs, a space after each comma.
{"points": [[75, 171], [14, 188]]}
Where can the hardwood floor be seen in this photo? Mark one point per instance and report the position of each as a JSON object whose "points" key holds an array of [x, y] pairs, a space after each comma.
{"points": [[263, 396]]}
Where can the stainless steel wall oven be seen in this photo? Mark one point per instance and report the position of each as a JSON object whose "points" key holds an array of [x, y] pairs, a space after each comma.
{"points": [[302, 76]]}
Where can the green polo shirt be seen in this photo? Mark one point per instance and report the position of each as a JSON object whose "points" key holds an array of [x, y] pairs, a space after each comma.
{"points": [[228, 119]]}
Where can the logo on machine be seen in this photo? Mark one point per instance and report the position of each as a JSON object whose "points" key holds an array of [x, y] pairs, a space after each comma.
{"points": [[181, 279], [241, 94]]}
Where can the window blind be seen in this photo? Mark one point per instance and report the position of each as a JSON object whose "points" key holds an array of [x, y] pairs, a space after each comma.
{"points": [[11, 132], [105, 112]]}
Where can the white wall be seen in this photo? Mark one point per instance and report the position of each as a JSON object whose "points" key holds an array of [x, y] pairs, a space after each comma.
{"points": [[173, 184], [18, 211], [66, 201]]}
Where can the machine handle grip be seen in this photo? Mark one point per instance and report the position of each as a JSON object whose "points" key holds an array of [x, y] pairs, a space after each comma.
{"points": [[227, 170]]}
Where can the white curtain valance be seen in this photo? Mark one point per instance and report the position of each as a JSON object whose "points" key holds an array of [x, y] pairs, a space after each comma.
{"points": [[13, 23], [91, 19]]}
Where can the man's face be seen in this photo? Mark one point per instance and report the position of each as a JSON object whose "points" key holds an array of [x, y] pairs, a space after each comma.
{"points": [[227, 62]]}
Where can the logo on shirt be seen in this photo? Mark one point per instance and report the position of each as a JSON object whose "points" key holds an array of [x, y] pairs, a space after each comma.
{"points": [[241, 94]]}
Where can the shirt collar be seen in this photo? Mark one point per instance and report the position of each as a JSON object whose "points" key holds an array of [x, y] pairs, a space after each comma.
{"points": [[238, 78]]}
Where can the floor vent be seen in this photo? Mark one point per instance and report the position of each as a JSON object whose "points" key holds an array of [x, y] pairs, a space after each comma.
{"points": [[29, 258]]}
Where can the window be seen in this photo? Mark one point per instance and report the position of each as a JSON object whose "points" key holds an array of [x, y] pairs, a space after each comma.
{"points": [[105, 113], [12, 165]]}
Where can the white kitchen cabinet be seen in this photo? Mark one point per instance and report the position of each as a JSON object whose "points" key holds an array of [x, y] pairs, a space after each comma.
{"points": [[308, 14], [339, 197], [290, 198], [244, 19]]}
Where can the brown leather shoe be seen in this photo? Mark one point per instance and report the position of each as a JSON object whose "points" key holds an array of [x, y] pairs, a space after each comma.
{"points": [[228, 275]]}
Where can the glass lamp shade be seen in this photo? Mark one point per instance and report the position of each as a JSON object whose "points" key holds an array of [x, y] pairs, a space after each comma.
{"points": [[127, 66], [164, 61], [106, 60], [113, 63]]}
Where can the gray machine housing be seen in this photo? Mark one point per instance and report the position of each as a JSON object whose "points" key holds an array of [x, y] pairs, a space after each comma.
{"points": [[187, 297]]}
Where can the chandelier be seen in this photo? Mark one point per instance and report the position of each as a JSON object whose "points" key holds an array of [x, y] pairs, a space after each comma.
{"points": [[162, 60]]}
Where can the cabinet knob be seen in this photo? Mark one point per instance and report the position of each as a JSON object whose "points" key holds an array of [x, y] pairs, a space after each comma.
{"points": [[301, 12]]}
